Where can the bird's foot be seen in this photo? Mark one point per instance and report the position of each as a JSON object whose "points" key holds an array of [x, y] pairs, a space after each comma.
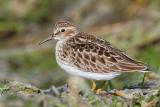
{"points": [[94, 86], [98, 91]]}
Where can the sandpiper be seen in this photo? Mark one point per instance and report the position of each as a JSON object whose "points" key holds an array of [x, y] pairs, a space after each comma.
{"points": [[89, 56]]}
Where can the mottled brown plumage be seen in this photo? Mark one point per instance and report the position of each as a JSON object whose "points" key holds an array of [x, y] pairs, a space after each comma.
{"points": [[92, 54], [89, 56]]}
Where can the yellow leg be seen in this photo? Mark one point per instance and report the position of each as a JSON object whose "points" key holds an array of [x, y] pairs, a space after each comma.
{"points": [[98, 91], [93, 86], [95, 89]]}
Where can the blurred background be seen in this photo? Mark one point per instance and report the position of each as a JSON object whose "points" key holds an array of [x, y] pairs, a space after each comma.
{"points": [[130, 25]]}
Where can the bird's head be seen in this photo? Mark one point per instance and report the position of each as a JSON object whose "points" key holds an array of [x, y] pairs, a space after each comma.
{"points": [[62, 30]]}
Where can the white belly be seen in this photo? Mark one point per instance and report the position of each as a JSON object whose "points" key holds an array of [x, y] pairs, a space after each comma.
{"points": [[88, 75]]}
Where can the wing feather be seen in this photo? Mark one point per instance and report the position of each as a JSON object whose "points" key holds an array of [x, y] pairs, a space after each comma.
{"points": [[93, 54]]}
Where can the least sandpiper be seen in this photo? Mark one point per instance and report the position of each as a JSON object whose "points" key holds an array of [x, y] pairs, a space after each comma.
{"points": [[89, 56]]}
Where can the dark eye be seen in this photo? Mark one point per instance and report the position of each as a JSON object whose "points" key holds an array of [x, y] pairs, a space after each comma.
{"points": [[62, 30]]}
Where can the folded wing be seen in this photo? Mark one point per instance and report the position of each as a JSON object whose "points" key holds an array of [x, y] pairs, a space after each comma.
{"points": [[92, 54]]}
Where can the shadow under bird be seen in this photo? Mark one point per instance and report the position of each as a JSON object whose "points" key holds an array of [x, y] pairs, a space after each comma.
{"points": [[89, 56]]}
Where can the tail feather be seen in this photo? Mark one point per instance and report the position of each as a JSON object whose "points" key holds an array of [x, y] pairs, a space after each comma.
{"points": [[148, 69]]}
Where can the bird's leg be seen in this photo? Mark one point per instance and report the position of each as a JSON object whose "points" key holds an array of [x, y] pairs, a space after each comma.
{"points": [[110, 85], [98, 90], [93, 86], [102, 87], [143, 80]]}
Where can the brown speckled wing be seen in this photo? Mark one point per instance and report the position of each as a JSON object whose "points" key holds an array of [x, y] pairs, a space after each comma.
{"points": [[92, 54]]}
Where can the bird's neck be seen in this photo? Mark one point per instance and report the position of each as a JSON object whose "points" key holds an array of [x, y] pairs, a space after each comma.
{"points": [[60, 44]]}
